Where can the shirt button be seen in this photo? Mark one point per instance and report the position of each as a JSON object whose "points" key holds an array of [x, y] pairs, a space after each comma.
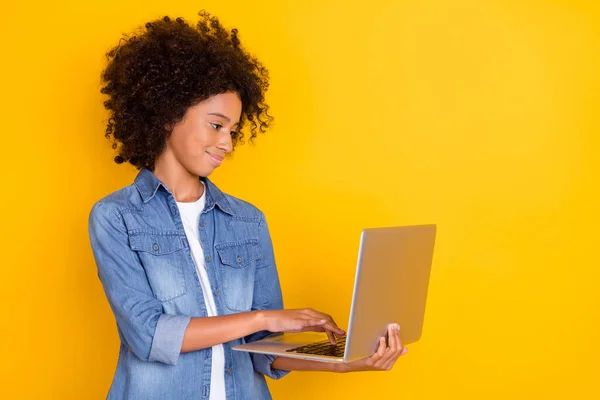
{"points": [[207, 258], [202, 224], [155, 247], [239, 259], [217, 292], [229, 371]]}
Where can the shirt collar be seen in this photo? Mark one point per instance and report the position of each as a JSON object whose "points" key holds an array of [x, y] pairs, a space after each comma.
{"points": [[148, 184]]}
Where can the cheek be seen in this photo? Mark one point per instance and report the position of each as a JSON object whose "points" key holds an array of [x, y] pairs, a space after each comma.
{"points": [[191, 144], [199, 139], [194, 146]]}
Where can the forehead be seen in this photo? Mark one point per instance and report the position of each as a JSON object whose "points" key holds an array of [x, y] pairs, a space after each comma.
{"points": [[228, 105]]}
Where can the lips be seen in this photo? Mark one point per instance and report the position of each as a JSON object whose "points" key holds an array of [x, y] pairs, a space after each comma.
{"points": [[217, 159]]}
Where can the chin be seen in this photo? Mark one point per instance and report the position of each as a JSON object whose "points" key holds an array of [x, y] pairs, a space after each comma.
{"points": [[202, 170]]}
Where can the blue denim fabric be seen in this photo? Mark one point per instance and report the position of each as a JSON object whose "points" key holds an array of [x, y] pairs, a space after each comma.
{"points": [[150, 280]]}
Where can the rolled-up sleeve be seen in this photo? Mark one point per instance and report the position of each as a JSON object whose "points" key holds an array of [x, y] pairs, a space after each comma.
{"points": [[168, 337], [150, 334], [267, 296], [262, 363]]}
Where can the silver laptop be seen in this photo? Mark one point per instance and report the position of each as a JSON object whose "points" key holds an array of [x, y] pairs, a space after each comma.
{"points": [[392, 278]]}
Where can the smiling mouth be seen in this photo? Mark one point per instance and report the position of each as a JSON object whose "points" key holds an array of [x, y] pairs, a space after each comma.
{"points": [[217, 160]]}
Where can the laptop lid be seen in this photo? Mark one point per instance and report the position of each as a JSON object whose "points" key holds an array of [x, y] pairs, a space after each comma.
{"points": [[391, 283]]}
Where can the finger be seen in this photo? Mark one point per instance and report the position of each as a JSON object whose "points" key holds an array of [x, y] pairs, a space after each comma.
{"points": [[396, 349], [328, 327], [340, 331], [317, 314], [389, 365], [309, 324], [331, 337], [392, 362], [313, 313], [401, 349], [395, 345], [381, 350], [391, 346], [331, 328], [335, 329], [384, 365]]}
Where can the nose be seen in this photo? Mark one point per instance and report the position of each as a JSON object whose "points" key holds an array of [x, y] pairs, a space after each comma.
{"points": [[225, 143]]}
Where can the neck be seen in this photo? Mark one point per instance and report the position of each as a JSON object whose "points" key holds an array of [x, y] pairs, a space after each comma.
{"points": [[185, 186]]}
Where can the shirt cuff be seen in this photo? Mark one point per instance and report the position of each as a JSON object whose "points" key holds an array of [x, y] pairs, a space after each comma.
{"points": [[262, 363], [168, 338]]}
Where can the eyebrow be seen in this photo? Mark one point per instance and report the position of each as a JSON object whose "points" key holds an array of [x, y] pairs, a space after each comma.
{"points": [[226, 118]]}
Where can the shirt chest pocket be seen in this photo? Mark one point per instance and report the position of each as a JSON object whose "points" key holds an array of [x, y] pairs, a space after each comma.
{"points": [[163, 259], [237, 268]]}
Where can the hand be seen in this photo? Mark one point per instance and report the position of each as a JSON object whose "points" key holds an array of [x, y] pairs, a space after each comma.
{"points": [[301, 320], [384, 358]]}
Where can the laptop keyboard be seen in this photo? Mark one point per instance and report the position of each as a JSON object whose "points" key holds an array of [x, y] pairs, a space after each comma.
{"points": [[324, 348]]}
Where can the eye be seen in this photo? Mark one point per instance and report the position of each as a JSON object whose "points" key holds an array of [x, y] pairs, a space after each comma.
{"points": [[216, 126]]}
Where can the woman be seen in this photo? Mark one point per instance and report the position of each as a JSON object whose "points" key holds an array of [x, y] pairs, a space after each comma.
{"points": [[188, 270]]}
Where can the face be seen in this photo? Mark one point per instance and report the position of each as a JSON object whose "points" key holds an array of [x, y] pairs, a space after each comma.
{"points": [[201, 140]]}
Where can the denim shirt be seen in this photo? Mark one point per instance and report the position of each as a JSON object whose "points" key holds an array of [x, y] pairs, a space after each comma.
{"points": [[150, 280]]}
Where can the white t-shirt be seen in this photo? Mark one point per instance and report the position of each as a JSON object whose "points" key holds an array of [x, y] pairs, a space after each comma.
{"points": [[190, 213]]}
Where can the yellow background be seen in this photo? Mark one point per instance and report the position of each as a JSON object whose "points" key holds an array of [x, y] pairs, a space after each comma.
{"points": [[479, 116]]}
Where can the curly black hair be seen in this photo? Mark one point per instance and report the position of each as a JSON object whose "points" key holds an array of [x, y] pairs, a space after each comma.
{"points": [[153, 76]]}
